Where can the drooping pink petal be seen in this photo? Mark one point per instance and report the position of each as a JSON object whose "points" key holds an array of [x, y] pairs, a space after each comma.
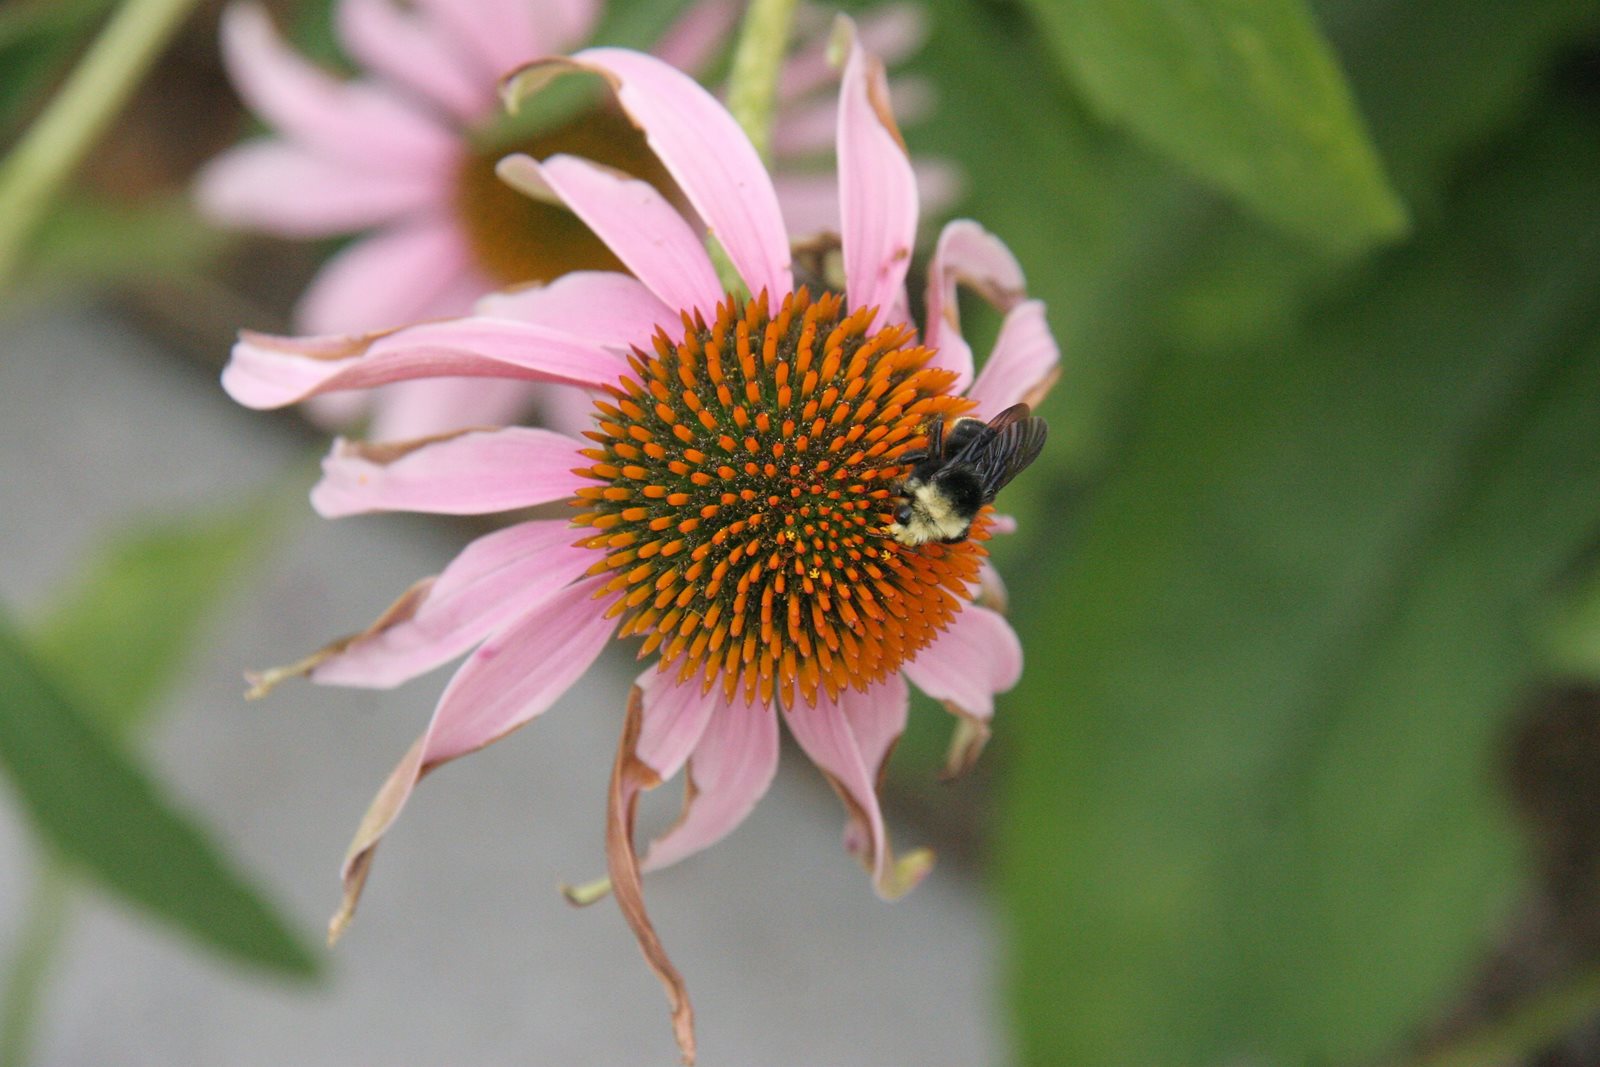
{"points": [[404, 48], [493, 581], [693, 41], [1023, 365], [977, 657], [704, 150], [877, 189], [616, 310], [469, 473], [392, 278], [629, 777], [992, 591], [271, 372], [496, 35], [675, 715], [645, 232], [732, 765], [408, 410], [513, 677], [972, 256], [355, 121], [283, 188], [849, 740]]}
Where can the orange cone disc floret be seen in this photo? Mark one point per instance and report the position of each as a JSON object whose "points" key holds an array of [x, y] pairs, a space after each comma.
{"points": [[747, 476]]}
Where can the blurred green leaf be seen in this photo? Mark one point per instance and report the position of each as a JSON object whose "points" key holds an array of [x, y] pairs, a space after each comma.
{"points": [[1244, 92], [1572, 636], [117, 640], [1250, 817], [88, 240], [92, 803]]}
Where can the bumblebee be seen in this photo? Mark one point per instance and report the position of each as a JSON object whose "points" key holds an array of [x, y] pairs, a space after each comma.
{"points": [[962, 470]]}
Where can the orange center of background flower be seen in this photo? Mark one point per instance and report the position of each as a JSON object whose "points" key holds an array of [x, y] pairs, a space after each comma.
{"points": [[517, 239], [747, 479]]}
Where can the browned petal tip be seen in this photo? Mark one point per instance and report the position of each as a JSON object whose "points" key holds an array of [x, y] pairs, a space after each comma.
{"points": [[967, 742]]}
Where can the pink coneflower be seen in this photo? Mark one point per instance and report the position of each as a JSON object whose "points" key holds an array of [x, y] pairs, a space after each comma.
{"points": [[404, 156], [734, 497]]}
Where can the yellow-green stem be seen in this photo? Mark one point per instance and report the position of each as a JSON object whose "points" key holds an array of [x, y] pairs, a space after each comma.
{"points": [[34, 171], [44, 924], [753, 91]]}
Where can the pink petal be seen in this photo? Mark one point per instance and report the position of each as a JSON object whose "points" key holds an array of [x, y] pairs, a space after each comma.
{"points": [[675, 715], [733, 764], [615, 310], [270, 372], [877, 189], [700, 32], [644, 231], [356, 121], [704, 150], [849, 740], [496, 35], [282, 188], [977, 657], [408, 410], [992, 591], [394, 277], [400, 46], [1023, 364], [495, 580], [972, 256], [513, 677], [471, 473]]}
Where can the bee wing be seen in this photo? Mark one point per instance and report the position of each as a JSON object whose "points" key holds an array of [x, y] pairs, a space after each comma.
{"points": [[1013, 414], [1001, 457]]}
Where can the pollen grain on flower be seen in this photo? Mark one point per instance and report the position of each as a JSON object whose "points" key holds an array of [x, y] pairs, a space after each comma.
{"points": [[745, 477]]}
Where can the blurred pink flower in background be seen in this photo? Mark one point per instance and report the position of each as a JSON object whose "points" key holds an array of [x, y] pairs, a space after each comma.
{"points": [[735, 490], [403, 156]]}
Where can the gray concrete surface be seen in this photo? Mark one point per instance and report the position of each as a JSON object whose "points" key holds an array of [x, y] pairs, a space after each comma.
{"points": [[463, 952]]}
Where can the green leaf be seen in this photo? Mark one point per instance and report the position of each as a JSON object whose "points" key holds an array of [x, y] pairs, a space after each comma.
{"points": [[117, 640], [91, 802], [1247, 95], [1251, 815]]}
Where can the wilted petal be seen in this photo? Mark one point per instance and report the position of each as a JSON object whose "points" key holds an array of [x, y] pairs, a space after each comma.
{"points": [[675, 715], [849, 740], [645, 232], [972, 256], [397, 44], [246, 187], [877, 189], [1024, 364], [704, 150], [389, 279], [733, 762], [270, 372], [472, 472], [615, 310], [629, 777], [495, 580], [355, 121], [513, 677], [964, 667]]}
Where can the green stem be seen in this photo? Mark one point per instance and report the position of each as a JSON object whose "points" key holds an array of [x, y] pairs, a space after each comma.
{"points": [[1544, 1018], [753, 92], [92, 96], [44, 925]]}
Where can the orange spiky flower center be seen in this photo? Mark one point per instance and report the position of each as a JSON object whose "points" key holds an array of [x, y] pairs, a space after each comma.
{"points": [[747, 475]]}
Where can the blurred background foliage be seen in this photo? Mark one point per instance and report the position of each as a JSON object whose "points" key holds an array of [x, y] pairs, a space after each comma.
{"points": [[1302, 769]]}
